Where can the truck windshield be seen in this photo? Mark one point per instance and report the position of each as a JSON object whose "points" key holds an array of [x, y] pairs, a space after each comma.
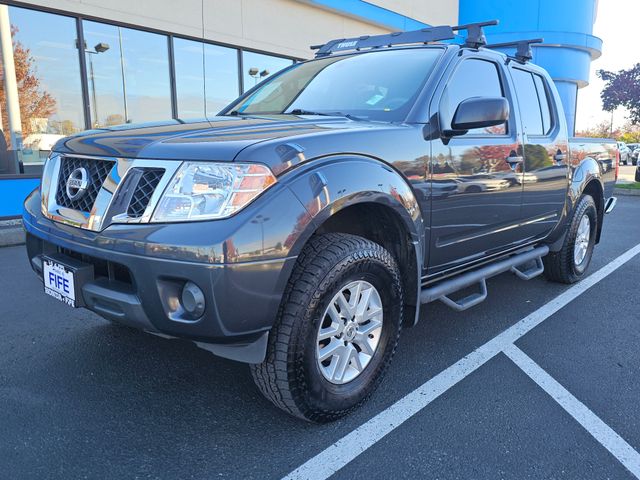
{"points": [[378, 85]]}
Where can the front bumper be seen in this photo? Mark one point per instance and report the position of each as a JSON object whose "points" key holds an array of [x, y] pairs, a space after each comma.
{"points": [[143, 290]]}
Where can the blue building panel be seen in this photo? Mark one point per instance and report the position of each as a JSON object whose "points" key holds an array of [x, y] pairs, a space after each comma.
{"points": [[13, 191], [566, 26]]}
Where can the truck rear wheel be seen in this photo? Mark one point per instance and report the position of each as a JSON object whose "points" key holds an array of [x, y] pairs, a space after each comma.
{"points": [[570, 263], [337, 329]]}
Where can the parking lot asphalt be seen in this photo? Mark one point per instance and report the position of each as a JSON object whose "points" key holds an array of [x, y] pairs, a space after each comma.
{"points": [[81, 398]]}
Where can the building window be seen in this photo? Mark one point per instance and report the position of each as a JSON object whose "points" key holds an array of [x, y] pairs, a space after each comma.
{"points": [[258, 66], [221, 77], [127, 75], [49, 87], [189, 68], [204, 70]]}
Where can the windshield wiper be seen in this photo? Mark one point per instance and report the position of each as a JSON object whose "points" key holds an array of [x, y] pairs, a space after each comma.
{"points": [[300, 111]]}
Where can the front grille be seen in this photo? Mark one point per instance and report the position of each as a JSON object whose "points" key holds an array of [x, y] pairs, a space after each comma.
{"points": [[102, 268], [144, 190], [97, 173]]}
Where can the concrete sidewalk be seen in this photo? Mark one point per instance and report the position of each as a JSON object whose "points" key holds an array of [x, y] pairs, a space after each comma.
{"points": [[11, 233]]}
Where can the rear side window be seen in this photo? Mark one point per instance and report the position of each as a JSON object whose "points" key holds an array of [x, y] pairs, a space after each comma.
{"points": [[534, 102], [545, 107], [473, 78]]}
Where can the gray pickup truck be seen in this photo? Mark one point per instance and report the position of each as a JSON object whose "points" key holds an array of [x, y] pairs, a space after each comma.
{"points": [[304, 226]]}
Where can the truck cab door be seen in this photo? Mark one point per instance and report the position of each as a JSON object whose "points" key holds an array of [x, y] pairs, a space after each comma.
{"points": [[546, 155], [480, 215]]}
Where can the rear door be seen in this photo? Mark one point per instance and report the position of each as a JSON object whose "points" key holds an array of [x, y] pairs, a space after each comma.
{"points": [[480, 215], [546, 159]]}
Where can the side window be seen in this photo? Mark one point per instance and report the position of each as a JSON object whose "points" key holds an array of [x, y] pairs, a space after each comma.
{"points": [[528, 101], [473, 78], [545, 107]]}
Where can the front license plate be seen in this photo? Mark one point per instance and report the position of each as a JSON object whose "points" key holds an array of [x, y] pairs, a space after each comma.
{"points": [[59, 282]]}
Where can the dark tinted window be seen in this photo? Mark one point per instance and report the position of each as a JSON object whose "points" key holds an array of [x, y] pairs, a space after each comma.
{"points": [[545, 108], [472, 78], [528, 101]]}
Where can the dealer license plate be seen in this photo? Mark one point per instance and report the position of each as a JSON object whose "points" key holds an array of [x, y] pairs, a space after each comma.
{"points": [[59, 281]]}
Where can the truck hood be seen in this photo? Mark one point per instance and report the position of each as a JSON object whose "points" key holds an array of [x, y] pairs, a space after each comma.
{"points": [[216, 139]]}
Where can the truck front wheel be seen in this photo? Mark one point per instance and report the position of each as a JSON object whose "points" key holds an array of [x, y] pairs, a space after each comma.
{"points": [[337, 329], [570, 263]]}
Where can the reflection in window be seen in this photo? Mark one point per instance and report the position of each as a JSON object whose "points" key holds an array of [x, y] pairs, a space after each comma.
{"points": [[189, 78], [258, 66], [48, 77], [127, 74], [220, 66], [486, 83], [221, 71]]}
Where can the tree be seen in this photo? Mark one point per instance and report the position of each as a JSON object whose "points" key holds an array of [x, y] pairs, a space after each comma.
{"points": [[601, 130], [34, 101], [622, 89]]}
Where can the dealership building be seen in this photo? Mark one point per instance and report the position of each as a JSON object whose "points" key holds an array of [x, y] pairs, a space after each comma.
{"points": [[71, 65]]}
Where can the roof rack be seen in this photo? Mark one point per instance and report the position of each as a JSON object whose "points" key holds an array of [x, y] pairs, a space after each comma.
{"points": [[475, 33], [475, 38], [523, 48]]}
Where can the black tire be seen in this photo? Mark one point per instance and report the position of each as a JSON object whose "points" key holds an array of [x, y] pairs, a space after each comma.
{"points": [[560, 266], [290, 376], [638, 174]]}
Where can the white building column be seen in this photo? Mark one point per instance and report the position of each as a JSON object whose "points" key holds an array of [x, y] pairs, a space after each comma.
{"points": [[10, 83]]}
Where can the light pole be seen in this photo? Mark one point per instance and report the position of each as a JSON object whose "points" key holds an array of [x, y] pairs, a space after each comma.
{"points": [[124, 78], [99, 48], [260, 219], [257, 74]]}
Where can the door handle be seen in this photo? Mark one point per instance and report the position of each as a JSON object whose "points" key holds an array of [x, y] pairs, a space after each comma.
{"points": [[514, 160], [559, 157]]}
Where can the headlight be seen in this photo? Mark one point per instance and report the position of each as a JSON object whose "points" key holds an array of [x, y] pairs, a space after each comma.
{"points": [[205, 191]]}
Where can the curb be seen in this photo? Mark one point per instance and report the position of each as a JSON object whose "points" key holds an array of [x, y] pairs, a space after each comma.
{"points": [[626, 191], [11, 233]]}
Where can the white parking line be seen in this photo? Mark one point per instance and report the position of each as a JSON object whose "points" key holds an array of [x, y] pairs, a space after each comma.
{"points": [[336, 456], [602, 432]]}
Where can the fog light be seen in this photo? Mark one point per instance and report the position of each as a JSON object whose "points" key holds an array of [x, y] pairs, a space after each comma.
{"points": [[192, 299]]}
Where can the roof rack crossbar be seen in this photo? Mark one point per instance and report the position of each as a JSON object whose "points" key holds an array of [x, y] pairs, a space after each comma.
{"points": [[475, 33], [523, 48], [425, 35]]}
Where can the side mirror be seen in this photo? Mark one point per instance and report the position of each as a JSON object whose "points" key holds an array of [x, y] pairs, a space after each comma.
{"points": [[479, 112]]}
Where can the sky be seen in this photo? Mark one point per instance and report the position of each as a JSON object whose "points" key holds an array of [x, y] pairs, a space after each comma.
{"points": [[617, 24]]}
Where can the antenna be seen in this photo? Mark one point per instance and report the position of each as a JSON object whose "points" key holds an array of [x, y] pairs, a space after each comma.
{"points": [[523, 48], [475, 33]]}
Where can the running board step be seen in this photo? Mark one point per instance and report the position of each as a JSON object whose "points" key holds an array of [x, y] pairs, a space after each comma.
{"points": [[442, 290]]}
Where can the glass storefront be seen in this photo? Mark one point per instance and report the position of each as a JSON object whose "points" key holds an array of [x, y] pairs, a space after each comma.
{"points": [[48, 78], [127, 74], [221, 77], [128, 79]]}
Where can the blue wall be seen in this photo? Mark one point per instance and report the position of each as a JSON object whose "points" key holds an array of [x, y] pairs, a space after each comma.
{"points": [[565, 25], [12, 194]]}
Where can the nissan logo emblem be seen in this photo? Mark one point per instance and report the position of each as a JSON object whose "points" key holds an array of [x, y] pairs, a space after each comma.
{"points": [[77, 183]]}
